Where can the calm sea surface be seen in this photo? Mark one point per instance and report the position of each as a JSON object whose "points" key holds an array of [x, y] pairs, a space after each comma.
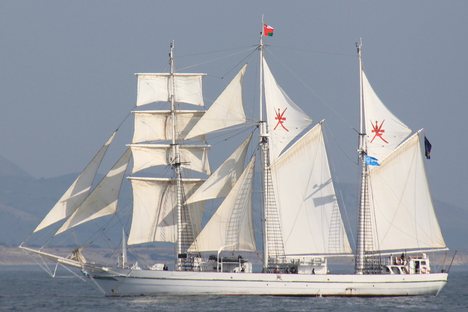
{"points": [[31, 289]]}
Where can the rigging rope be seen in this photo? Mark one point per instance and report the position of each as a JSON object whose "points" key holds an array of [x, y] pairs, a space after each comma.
{"points": [[243, 129], [314, 51], [217, 59], [214, 51], [238, 63], [308, 87]]}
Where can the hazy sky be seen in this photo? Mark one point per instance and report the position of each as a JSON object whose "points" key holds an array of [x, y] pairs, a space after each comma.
{"points": [[66, 70]]}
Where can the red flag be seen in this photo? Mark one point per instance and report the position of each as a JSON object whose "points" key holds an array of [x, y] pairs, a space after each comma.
{"points": [[268, 30]]}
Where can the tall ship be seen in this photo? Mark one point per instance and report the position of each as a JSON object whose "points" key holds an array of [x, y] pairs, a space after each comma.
{"points": [[301, 223]]}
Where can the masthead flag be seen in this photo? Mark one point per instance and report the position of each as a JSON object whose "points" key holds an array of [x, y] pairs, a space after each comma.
{"points": [[427, 148], [268, 30]]}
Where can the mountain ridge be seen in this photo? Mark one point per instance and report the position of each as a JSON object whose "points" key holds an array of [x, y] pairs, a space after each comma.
{"points": [[25, 200], [9, 168]]}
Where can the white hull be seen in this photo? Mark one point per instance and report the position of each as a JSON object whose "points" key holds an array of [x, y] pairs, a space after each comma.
{"points": [[145, 282]]}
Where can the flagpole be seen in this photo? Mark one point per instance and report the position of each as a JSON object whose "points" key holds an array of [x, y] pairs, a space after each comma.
{"points": [[260, 47]]}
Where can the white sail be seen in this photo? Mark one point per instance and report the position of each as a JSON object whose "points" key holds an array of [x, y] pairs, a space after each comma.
{"points": [[309, 213], [77, 192], [400, 200], [157, 125], [194, 157], [158, 88], [154, 214], [383, 129], [285, 119], [231, 225], [220, 183], [225, 112], [103, 200]]}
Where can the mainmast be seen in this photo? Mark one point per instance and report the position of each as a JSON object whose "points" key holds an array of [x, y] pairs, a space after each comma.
{"points": [[362, 150], [265, 156]]}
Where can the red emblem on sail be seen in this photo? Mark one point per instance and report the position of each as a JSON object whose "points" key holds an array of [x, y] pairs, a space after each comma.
{"points": [[280, 118], [378, 131]]}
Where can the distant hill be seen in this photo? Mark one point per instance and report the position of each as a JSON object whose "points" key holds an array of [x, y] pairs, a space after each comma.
{"points": [[9, 169], [25, 200], [452, 220]]}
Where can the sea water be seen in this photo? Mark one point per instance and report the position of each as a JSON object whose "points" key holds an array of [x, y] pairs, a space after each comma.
{"points": [[24, 288]]}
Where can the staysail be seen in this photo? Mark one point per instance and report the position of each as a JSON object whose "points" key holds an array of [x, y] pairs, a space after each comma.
{"points": [[285, 119], [77, 192], [104, 198], [383, 129], [310, 217], [226, 111], [231, 226], [220, 182]]}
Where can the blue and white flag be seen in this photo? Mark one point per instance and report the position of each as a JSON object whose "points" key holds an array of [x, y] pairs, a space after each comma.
{"points": [[371, 161]]}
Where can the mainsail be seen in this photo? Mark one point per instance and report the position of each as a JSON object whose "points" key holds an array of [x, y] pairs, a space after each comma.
{"points": [[194, 157], [154, 209], [401, 202], [310, 216]]}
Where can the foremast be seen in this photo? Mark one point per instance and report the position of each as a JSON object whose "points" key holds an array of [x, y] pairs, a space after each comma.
{"points": [[185, 235]]}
